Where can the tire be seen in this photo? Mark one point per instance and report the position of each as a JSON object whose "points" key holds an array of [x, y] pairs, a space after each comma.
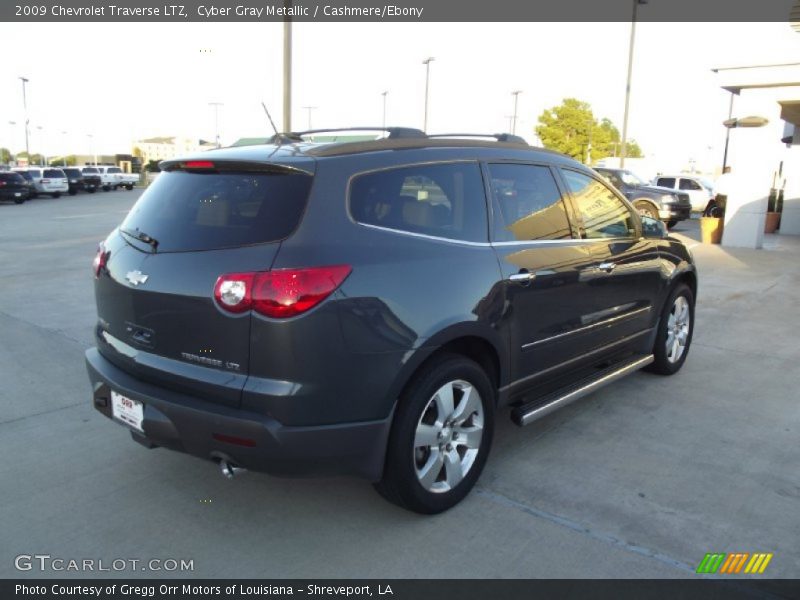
{"points": [[106, 188], [671, 224], [129, 187], [73, 192], [646, 209], [668, 357], [417, 477], [19, 200], [56, 195], [92, 191]]}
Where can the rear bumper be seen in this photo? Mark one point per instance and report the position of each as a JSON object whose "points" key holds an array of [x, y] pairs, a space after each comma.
{"points": [[189, 424]]}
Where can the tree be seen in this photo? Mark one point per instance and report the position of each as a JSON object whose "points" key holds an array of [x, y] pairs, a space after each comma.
{"points": [[33, 159], [5, 156], [61, 160], [572, 129]]}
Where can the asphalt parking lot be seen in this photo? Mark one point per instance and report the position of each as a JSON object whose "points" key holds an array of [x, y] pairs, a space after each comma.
{"points": [[641, 479]]}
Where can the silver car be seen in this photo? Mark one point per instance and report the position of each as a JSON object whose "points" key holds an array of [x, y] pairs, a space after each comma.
{"points": [[47, 180]]}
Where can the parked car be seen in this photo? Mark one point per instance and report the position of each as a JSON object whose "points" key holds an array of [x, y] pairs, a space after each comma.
{"points": [[47, 180], [654, 202], [114, 178], [699, 189], [13, 187], [29, 183], [367, 308], [74, 180], [127, 180], [91, 179]]}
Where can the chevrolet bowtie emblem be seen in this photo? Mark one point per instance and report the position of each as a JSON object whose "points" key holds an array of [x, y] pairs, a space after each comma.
{"points": [[136, 277]]}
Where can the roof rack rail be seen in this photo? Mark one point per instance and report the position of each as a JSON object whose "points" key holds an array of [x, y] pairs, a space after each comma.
{"points": [[394, 132], [500, 137]]}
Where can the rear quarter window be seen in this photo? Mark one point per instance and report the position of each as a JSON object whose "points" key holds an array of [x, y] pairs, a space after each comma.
{"points": [[54, 173], [441, 200], [206, 211]]}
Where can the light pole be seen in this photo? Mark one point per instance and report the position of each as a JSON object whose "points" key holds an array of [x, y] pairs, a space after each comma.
{"points": [[427, 63], [91, 147], [287, 71], [309, 109], [216, 106], [589, 145], [25, 105], [516, 94], [384, 94], [624, 147], [66, 149], [44, 154]]}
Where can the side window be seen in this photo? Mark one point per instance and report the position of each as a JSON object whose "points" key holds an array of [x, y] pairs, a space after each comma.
{"points": [[528, 205], [603, 214], [689, 184], [668, 182], [442, 200]]}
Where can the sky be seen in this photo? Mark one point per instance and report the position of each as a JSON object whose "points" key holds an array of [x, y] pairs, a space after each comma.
{"points": [[121, 82]]}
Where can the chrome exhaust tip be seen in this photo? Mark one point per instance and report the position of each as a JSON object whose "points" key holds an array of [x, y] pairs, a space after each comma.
{"points": [[229, 470]]}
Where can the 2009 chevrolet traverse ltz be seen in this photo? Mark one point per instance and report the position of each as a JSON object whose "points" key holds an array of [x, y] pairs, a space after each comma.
{"points": [[367, 308]]}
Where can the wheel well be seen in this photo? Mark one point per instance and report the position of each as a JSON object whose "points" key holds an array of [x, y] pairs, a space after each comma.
{"points": [[646, 201], [689, 279], [474, 348]]}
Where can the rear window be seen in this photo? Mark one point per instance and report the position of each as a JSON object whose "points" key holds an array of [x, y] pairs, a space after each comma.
{"points": [[12, 178], [53, 173], [72, 172], [666, 182], [90, 170], [206, 211], [25, 175]]}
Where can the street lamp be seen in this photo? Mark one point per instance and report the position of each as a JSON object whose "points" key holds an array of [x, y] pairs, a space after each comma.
{"points": [[309, 109], [624, 147], [25, 105], [216, 106], [427, 63], [384, 108], [514, 120]]}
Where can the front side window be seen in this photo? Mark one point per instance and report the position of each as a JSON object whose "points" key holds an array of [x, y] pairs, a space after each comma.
{"points": [[442, 200], [528, 204], [603, 214]]}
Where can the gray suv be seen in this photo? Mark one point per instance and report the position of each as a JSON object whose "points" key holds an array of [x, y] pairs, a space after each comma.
{"points": [[367, 308]]}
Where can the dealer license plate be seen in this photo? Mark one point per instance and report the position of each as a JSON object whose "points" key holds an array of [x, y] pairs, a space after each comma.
{"points": [[130, 412]]}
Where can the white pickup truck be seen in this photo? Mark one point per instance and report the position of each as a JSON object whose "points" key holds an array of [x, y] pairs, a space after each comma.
{"points": [[115, 178]]}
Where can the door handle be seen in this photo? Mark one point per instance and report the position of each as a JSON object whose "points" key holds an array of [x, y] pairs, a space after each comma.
{"points": [[606, 266], [522, 277]]}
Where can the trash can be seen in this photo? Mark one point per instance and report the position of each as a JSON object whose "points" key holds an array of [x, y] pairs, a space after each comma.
{"points": [[711, 230]]}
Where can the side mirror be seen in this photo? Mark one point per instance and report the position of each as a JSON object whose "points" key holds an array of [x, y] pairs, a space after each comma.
{"points": [[653, 228]]}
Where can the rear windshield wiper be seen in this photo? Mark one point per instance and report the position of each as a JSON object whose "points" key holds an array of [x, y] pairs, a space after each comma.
{"points": [[142, 237]]}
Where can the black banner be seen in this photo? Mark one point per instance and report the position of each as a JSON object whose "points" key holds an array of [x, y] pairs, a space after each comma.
{"points": [[210, 589], [416, 11]]}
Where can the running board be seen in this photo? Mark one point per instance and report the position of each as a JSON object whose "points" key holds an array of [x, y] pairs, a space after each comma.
{"points": [[530, 412]]}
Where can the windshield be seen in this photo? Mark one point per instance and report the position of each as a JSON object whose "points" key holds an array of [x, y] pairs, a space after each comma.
{"points": [[631, 178]]}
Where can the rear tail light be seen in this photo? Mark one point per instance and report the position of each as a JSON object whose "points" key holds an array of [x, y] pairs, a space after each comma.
{"points": [[100, 260], [281, 293], [2, 183]]}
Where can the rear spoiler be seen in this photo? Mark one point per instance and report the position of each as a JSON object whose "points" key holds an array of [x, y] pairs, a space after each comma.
{"points": [[202, 165]]}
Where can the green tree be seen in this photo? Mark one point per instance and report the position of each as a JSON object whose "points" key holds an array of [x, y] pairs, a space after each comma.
{"points": [[33, 159], [5, 156], [64, 161], [571, 128]]}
